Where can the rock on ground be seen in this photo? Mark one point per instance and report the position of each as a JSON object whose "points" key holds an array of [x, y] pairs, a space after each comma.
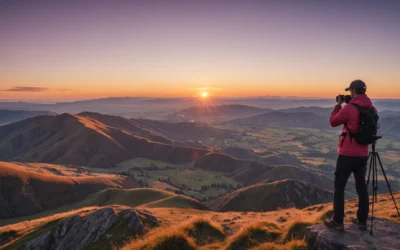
{"points": [[76, 232], [386, 235]]}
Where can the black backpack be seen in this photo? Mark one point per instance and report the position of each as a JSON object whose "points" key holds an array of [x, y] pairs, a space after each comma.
{"points": [[368, 126]]}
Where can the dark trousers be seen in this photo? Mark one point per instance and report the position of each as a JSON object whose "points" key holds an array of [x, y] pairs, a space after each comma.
{"points": [[344, 167]]}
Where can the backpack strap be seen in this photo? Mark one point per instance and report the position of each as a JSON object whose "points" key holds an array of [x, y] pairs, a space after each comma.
{"points": [[360, 109], [351, 134]]}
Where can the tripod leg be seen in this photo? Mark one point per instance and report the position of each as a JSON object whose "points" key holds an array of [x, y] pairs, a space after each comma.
{"points": [[370, 166], [376, 178], [387, 182], [373, 190]]}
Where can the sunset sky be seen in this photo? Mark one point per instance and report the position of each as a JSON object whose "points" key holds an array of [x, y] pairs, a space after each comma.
{"points": [[91, 49]]}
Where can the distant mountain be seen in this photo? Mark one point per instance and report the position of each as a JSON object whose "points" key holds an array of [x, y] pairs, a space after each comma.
{"points": [[283, 172], [271, 196], [80, 140], [26, 192], [284, 119], [164, 132], [130, 125], [389, 126], [388, 113], [185, 130], [158, 108], [326, 112], [207, 113], [243, 171], [9, 116]]}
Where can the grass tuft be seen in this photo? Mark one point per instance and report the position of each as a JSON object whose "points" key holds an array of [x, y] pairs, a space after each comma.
{"points": [[254, 235], [204, 231], [166, 241], [327, 215], [297, 231], [292, 245]]}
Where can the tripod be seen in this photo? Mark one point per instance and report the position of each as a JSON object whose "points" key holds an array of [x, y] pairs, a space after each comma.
{"points": [[373, 157]]}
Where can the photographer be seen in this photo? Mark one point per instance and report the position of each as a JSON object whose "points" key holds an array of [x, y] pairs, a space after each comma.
{"points": [[352, 157]]}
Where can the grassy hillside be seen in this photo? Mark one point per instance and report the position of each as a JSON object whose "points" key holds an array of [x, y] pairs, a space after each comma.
{"points": [[25, 190], [197, 229], [271, 196], [79, 140], [137, 197]]}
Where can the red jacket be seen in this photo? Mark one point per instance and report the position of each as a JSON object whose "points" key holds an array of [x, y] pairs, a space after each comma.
{"points": [[350, 115]]}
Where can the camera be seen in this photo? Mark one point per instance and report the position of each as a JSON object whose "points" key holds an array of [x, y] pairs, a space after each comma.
{"points": [[345, 98]]}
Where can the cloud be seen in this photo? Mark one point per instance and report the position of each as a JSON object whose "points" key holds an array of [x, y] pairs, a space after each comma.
{"points": [[31, 89], [27, 89]]}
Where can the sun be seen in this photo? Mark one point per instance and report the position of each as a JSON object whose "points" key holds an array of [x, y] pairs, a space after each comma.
{"points": [[204, 94]]}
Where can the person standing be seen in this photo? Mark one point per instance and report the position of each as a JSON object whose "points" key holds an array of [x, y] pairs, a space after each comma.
{"points": [[352, 157]]}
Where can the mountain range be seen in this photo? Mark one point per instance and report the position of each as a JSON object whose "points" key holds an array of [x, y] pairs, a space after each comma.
{"points": [[10, 116], [81, 140], [209, 113]]}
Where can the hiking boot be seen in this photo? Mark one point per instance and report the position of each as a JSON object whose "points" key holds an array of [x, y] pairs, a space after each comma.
{"points": [[361, 225], [334, 225]]}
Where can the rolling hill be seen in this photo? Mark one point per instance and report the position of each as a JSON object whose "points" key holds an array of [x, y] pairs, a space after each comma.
{"points": [[216, 113], [284, 119], [80, 140], [138, 197], [271, 158], [25, 191], [184, 131], [271, 196], [283, 172], [9, 116], [129, 125], [243, 171]]}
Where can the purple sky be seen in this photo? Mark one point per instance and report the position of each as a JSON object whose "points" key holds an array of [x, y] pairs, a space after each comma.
{"points": [[177, 48]]}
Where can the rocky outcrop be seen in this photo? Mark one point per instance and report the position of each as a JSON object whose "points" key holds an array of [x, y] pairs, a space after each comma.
{"points": [[78, 232], [386, 235]]}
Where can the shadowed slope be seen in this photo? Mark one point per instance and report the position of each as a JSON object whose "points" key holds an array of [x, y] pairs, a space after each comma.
{"points": [[24, 192], [270, 196], [283, 119], [9, 116], [78, 140]]}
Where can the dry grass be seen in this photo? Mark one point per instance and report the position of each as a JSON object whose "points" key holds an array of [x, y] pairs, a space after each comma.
{"points": [[163, 241], [292, 245], [254, 235], [204, 231], [296, 231], [191, 228]]}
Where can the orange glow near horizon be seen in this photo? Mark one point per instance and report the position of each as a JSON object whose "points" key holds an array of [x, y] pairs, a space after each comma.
{"points": [[225, 90]]}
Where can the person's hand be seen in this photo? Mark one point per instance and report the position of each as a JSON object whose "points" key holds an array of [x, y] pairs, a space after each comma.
{"points": [[340, 101]]}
